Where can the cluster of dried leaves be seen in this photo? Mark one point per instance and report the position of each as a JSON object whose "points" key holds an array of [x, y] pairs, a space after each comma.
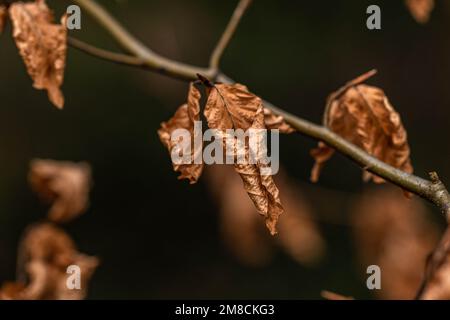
{"points": [[363, 115], [391, 232], [41, 43], [359, 113], [46, 250], [230, 106], [420, 9]]}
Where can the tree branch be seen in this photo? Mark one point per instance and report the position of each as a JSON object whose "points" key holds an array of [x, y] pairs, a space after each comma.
{"points": [[228, 33], [106, 55], [433, 191]]}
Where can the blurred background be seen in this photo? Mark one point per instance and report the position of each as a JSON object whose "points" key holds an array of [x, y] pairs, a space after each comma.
{"points": [[158, 237]]}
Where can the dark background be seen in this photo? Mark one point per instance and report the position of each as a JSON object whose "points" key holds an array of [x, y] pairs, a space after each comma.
{"points": [[158, 237]]}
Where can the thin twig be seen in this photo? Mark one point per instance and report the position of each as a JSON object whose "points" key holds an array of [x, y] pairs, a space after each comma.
{"points": [[118, 58], [228, 33]]}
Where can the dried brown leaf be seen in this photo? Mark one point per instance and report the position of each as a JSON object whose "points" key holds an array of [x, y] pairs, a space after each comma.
{"points": [[3, 16], [47, 252], [65, 185], [184, 119], [48, 282], [420, 9], [261, 188], [394, 233], [233, 107], [363, 115], [42, 45], [240, 105], [48, 243]]}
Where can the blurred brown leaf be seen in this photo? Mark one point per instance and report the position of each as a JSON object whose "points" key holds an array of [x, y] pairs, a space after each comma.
{"points": [[438, 272], [184, 119], [363, 115], [12, 291], [3, 16], [420, 9], [271, 120], [233, 107], [230, 107], [46, 251], [42, 45], [244, 234], [65, 185], [393, 232]]}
